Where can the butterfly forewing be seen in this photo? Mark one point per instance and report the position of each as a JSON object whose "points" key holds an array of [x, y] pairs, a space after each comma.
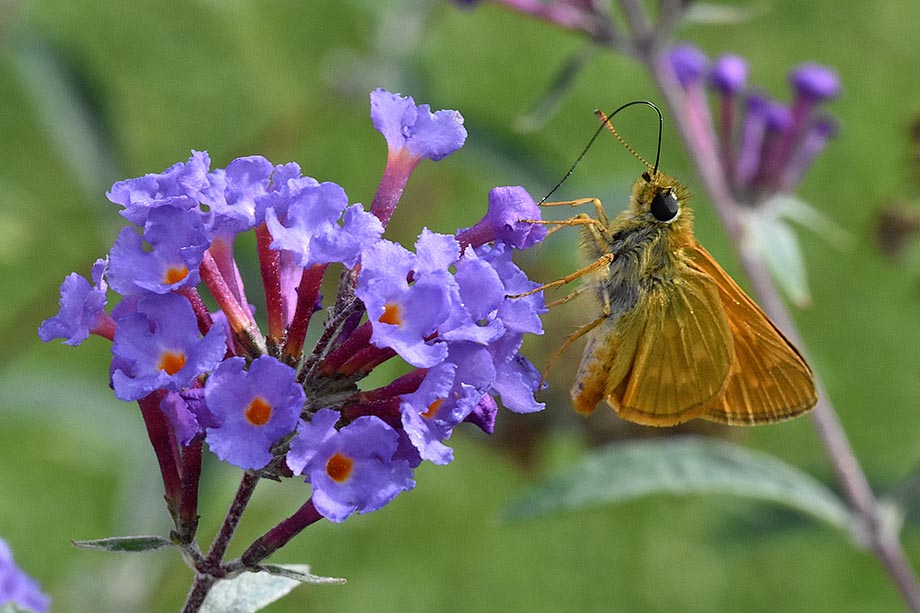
{"points": [[769, 380], [683, 357]]}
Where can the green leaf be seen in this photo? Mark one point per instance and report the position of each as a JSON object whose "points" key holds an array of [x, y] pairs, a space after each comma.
{"points": [[12, 607], [126, 543], [299, 573], [250, 592], [778, 246], [686, 465], [721, 14]]}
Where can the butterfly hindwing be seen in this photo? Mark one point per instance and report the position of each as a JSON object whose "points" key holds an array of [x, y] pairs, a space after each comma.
{"points": [[769, 379]]}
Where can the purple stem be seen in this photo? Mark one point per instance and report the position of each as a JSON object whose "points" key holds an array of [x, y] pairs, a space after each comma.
{"points": [[165, 447], [278, 536], [231, 521]]}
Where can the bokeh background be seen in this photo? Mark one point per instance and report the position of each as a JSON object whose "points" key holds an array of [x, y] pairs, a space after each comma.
{"points": [[94, 91]]}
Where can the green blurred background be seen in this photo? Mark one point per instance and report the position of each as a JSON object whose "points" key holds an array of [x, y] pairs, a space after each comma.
{"points": [[94, 91]]}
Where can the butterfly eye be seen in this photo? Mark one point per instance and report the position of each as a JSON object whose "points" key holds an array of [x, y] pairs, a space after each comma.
{"points": [[664, 206]]}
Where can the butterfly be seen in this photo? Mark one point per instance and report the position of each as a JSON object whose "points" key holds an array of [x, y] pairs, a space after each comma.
{"points": [[677, 339]]}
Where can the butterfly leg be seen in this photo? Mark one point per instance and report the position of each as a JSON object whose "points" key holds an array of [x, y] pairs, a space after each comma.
{"points": [[570, 296], [574, 336], [601, 215], [578, 220], [601, 262]]}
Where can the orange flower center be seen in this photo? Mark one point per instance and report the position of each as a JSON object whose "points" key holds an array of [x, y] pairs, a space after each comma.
{"points": [[174, 274], [339, 467], [258, 412], [433, 408], [392, 314], [171, 362]]}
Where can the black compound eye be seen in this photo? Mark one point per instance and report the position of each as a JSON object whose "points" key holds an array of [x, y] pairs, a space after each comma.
{"points": [[664, 206]]}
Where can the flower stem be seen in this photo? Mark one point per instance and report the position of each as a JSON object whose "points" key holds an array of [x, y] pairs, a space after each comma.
{"points": [[278, 536], [232, 519]]}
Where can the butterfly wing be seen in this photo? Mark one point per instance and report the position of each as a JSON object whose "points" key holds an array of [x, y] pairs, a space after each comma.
{"points": [[663, 361], [683, 356], [769, 379]]}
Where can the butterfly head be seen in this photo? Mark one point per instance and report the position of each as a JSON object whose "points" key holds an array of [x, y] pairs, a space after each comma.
{"points": [[661, 200]]}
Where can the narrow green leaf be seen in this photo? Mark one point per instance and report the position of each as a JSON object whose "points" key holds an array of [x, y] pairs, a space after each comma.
{"points": [[686, 465], [125, 543], [721, 14], [11, 607], [554, 95], [250, 592], [299, 573]]}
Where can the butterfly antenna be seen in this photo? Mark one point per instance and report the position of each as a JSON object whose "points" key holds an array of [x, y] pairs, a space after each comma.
{"points": [[605, 118]]}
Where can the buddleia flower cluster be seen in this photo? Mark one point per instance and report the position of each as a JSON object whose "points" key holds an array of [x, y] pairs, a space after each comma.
{"points": [[245, 384]]}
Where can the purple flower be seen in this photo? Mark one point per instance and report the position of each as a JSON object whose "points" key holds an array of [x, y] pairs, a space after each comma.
{"points": [[483, 414], [181, 185], [233, 192], [308, 226], [159, 347], [516, 379], [517, 314], [177, 241], [815, 82], [729, 74], [188, 413], [18, 588], [254, 409], [420, 410], [688, 63], [82, 309], [505, 220], [414, 131], [403, 315], [352, 469]]}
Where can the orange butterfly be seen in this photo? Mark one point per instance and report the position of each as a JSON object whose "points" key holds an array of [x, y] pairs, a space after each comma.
{"points": [[677, 338]]}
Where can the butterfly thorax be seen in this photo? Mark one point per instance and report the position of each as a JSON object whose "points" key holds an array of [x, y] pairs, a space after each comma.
{"points": [[647, 252]]}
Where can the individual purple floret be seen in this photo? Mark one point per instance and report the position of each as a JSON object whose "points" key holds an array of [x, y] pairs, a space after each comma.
{"points": [[175, 243], [254, 408], [352, 470], [181, 185], [309, 227], [688, 63], [18, 588], [403, 315], [413, 133], [82, 309], [507, 219], [159, 347], [729, 74]]}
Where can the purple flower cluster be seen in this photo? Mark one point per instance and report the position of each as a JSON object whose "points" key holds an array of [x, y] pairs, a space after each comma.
{"points": [[18, 588], [258, 397], [765, 146]]}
